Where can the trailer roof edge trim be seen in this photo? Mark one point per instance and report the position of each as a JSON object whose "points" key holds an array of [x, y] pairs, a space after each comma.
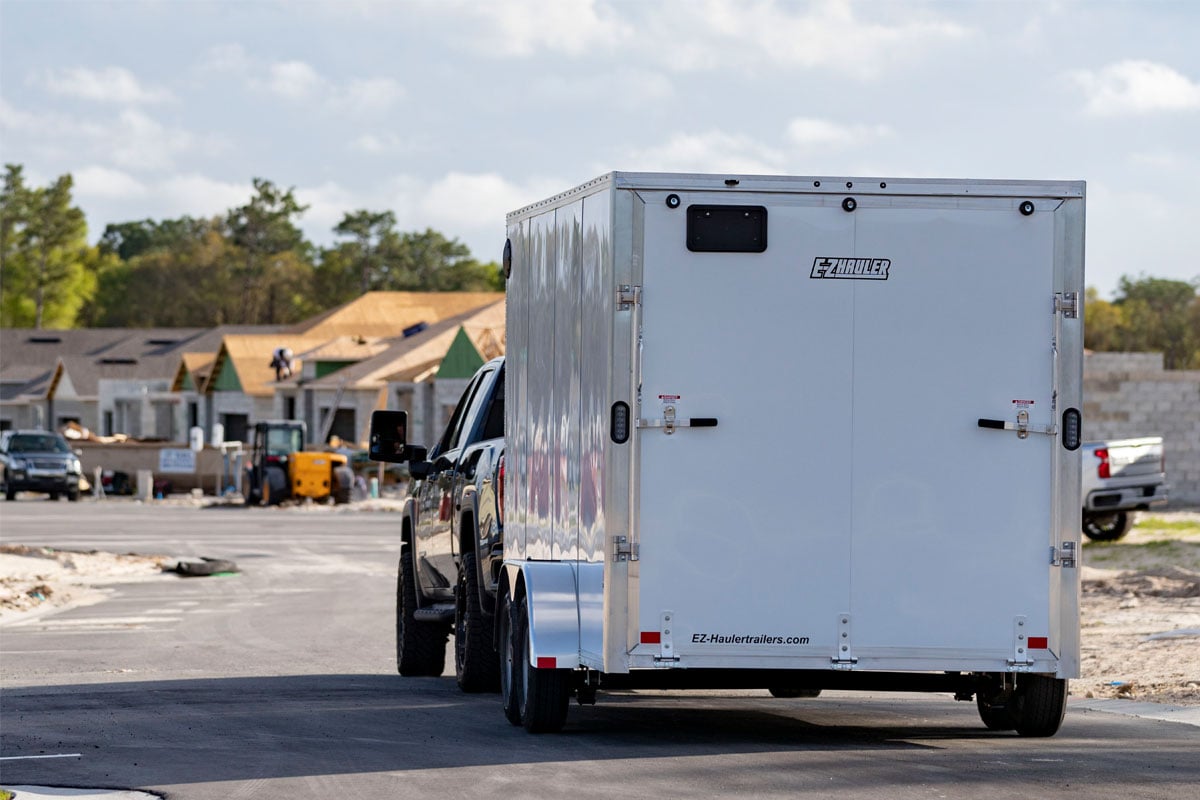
{"points": [[813, 184]]}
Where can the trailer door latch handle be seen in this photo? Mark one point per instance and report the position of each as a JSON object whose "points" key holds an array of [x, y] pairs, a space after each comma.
{"points": [[1021, 426], [670, 422]]}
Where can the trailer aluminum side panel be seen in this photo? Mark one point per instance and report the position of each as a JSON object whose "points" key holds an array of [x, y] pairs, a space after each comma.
{"points": [[846, 510]]}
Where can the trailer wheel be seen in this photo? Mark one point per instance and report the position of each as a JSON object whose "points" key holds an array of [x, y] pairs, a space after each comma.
{"points": [[996, 711], [1039, 705], [789, 692], [1107, 527], [420, 646], [476, 663], [343, 482], [544, 693], [510, 687]]}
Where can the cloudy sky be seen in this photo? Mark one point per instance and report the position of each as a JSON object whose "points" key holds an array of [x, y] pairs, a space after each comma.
{"points": [[453, 112]]}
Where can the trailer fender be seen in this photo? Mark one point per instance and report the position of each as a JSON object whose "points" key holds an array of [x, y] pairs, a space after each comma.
{"points": [[551, 597]]}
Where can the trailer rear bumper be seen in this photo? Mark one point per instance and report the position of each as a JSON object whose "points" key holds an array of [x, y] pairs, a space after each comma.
{"points": [[959, 683]]}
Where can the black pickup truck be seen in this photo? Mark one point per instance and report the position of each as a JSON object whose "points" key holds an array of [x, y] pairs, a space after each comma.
{"points": [[451, 536]]}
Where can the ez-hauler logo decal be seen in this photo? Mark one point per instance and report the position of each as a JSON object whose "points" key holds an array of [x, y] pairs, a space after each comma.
{"points": [[860, 269]]}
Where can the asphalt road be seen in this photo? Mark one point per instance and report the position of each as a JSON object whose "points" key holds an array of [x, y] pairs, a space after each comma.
{"points": [[279, 683]]}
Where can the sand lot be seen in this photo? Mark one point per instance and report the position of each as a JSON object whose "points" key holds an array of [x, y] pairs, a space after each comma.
{"points": [[1140, 612]]}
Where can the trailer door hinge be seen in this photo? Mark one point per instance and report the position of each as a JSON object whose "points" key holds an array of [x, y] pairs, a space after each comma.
{"points": [[1021, 660], [628, 296], [624, 550], [844, 658], [1063, 556], [1067, 304]]}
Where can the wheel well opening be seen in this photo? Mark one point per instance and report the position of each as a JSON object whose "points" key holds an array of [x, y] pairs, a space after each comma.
{"points": [[466, 534]]}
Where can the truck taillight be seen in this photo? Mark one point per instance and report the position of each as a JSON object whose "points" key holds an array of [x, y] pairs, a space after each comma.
{"points": [[1103, 470], [500, 492]]}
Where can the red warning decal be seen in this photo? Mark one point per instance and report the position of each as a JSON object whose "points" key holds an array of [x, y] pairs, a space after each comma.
{"points": [[1038, 642]]}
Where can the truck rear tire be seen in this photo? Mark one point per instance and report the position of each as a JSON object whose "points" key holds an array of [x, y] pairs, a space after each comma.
{"points": [[544, 693], [476, 663], [420, 646], [1039, 705], [1107, 527]]}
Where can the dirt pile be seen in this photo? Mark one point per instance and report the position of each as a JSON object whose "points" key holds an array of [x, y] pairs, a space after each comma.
{"points": [[39, 579], [1141, 613]]}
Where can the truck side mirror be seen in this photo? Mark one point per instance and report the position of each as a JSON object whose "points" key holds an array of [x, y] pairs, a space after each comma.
{"points": [[389, 434]]}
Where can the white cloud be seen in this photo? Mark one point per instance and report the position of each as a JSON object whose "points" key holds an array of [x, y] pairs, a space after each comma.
{"points": [[103, 182], [197, 195], [141, 142], [814, 134], [372, 94], [15, 119], [226, 58], [461, 201], [1136, 87], [327, 204], [298, 81], [295, 80], [714, 151], [526, 27], [825, 35], [378, 144], [105, 85]]}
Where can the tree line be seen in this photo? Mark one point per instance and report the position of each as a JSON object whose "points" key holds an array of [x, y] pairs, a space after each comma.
{"points": [[251, 265], [1148, 314]]}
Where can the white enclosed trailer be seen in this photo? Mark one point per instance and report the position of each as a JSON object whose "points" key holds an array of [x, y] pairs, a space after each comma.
{"points": [[794, 433]]}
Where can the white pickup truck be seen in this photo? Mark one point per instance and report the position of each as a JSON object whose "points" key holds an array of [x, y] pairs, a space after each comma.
{"points": [[1119, 477]]}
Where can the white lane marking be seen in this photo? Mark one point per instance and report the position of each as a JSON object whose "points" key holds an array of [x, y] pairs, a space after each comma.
{"points": [[27, 758]]}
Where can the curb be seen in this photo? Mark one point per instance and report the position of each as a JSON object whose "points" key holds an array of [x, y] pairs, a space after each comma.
{"points": [[1185, 715]]}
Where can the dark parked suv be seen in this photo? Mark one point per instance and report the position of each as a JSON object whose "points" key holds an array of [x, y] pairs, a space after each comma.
{"points": [[39, 461]]}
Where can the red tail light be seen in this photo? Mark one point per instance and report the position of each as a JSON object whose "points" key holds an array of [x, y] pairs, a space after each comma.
{"points": [[500, 492], [1103, 470]]}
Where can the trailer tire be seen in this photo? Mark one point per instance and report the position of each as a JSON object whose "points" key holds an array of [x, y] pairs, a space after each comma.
{"points": [[510, 691], [544, 693], [996, 711], [420, 646], [1107, 527], [343, 483], [476, 663], [790, 692], [1039, 705]]}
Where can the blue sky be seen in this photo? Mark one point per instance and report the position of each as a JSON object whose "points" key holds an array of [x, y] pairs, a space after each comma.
{"points": [[453, 112]]}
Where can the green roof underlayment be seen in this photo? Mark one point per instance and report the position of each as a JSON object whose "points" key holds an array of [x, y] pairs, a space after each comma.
{"points": [[462, 359], [328, 367], [227, 378]]}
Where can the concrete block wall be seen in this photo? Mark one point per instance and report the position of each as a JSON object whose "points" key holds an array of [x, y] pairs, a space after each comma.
{"points": [[1127, 395]]}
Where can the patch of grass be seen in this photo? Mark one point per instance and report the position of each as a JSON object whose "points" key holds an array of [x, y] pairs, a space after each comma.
{"points": [[5, 794], [1160, 524]]}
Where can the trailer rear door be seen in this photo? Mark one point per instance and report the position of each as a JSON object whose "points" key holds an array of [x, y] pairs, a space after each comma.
{"points": [[846, 504]]}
